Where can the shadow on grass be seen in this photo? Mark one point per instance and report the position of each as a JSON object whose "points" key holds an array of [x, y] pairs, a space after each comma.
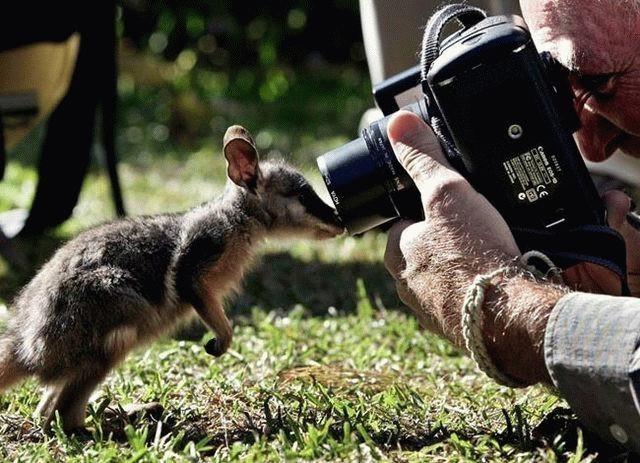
{"points": [[278, 282], [561, 425], [281, 281], [559, 431]]}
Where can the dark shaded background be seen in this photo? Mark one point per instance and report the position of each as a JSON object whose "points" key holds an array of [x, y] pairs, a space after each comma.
{"points": [[294, 69], [229, 35]]}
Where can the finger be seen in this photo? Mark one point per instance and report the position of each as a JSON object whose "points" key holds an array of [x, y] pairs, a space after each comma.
{"points": [[618, 205], [592, 278], [417, 149], [393, 259]]}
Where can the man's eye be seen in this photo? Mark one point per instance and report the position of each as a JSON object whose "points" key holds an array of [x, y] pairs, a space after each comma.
{"points": [[599, 85]]}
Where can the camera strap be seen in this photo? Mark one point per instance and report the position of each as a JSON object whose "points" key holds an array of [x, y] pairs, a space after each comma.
{"points": [[596, 244], [467, 16]]}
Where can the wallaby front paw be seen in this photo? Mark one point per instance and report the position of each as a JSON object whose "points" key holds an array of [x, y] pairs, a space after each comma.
{"points": [[213, 347], [79, 432], [133, 412]]}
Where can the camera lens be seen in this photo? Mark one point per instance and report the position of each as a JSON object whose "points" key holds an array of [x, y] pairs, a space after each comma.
{"points": [[355, 183], [367, 184]]}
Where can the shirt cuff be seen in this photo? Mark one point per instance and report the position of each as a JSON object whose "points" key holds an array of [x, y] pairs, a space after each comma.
{"points": [[589, 347]]}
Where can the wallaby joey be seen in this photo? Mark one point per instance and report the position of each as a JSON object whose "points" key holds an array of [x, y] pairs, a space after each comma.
{"points": [[122, 284]]}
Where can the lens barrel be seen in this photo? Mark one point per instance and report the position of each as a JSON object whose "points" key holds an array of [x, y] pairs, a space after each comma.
{"points": [[367, 184], [356, 185]]}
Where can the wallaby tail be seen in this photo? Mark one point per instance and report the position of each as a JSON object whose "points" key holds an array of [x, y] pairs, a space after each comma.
{"points": [[11, 371]]}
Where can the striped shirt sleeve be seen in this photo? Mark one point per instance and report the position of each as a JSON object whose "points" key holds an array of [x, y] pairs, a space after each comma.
{"points": [[591, 352]]}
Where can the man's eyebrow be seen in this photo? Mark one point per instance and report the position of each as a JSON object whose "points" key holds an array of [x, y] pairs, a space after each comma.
{"points": [[591, 64], [594, 77]]}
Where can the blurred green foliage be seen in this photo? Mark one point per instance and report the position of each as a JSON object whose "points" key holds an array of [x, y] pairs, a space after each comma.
{"points": [[227, 35], [190, 69]]}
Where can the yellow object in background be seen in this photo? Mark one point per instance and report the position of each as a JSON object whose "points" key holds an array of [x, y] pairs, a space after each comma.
{"points": [[43, 68]]}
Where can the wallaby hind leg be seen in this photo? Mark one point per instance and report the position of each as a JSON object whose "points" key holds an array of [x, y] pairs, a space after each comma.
{"points": [[48, 400], [10, 369], [71, 400]]}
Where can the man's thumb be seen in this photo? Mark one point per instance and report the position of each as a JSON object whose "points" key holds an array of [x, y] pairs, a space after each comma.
{"points": [[416, 147]]}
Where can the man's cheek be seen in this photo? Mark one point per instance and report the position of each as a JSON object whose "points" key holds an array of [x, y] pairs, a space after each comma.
{"points": [[594, 135], [624, 109], [585, 146]]}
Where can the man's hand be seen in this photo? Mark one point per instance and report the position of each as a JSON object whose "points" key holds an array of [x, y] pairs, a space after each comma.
{"points": [[462, 236], [596, 279]]}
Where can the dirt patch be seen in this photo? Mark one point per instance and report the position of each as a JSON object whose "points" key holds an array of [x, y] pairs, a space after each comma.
{"points": [[336, 376]]}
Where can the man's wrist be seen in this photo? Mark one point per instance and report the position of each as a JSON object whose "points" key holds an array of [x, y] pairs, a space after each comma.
{"points": [[516, 312]]}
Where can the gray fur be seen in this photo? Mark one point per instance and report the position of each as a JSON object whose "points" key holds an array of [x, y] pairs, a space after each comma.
{"points": [[122, 284]]}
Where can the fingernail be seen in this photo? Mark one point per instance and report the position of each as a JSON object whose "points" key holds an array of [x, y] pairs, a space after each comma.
{"points": [[404, 129]]}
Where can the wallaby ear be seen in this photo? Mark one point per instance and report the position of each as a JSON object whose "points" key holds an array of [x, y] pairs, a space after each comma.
{"points": [[242, 157]]}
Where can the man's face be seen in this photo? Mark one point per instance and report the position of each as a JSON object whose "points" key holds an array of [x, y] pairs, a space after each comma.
{"points": [[599, 42]]}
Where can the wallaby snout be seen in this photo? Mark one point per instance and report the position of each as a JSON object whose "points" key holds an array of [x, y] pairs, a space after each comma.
{"points": [[328, 222]]}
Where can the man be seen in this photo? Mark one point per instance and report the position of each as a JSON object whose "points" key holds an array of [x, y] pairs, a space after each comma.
{"points": [[535, 331]]}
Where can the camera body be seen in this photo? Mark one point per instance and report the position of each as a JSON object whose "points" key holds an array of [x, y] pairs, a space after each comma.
{"points": [[509, 112]]}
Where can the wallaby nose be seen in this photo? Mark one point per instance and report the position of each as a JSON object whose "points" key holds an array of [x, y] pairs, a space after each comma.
{"points": [[328, 215], [337, 222], [334, 222]]}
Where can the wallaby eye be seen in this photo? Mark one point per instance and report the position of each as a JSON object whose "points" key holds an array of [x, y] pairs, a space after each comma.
{"points": [[298, 192], [292, 194]]}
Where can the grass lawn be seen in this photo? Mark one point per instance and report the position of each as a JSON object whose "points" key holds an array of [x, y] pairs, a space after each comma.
{"points": [[324, 365]]}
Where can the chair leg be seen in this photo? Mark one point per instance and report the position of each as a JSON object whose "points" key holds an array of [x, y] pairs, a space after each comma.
{"points": [[109, 104], [112, 165], [3, 153]]}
